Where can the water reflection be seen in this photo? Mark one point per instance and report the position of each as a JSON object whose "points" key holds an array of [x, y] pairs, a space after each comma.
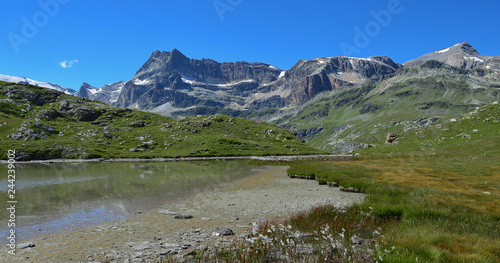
{"points": [[67, 195]]}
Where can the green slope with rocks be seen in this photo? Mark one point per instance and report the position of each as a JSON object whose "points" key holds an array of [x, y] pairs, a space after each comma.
{"points": [[41, 123], [472, 136], [415, 97]]}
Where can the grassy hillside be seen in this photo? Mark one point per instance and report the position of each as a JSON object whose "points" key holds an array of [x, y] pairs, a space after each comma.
{"points": [[44, 124], [415, 97]]}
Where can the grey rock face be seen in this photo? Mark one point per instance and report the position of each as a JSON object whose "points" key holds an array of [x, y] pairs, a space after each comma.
{"points": [[170, 77], [170, 82]]}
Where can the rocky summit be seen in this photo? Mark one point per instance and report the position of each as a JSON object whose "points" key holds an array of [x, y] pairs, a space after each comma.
{"points": [[461, 55]]}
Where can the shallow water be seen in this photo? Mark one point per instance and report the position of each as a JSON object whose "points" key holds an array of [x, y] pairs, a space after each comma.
{"points": [[63, 196]]}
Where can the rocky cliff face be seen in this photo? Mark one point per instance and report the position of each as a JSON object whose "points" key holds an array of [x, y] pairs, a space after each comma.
{"points": [[307, 78], [170, 82]]}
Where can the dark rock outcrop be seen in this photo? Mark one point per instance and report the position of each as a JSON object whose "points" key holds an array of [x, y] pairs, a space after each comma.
{"points": [[86, 114]]}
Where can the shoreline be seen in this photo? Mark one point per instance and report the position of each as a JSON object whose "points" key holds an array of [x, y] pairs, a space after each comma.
{"points": [[270, 195], [178, 159]]}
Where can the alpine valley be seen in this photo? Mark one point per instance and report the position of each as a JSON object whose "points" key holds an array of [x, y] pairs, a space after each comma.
{"points": [[337, 104], [426, 135]]}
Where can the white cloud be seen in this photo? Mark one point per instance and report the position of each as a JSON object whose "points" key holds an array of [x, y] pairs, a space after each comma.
{"points": [[68, 64]]}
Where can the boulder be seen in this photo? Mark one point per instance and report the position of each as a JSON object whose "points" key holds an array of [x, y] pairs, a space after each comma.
{"points": [[391, 138], [137, 124], [223, 231], [86, 114]]}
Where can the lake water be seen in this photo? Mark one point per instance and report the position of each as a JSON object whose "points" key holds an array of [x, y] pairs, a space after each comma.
{"points": [[63, 196]]}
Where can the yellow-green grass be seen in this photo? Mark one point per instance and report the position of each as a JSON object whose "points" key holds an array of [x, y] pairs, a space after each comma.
{"points": [[434, 199]]}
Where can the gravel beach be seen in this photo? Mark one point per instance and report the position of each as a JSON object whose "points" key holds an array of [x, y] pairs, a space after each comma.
{"points": [[235, 207]]}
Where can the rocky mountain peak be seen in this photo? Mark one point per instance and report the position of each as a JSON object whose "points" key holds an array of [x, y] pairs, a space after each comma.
{"points": [[84, 90], [161, 61], [175, 53], [461, 55], [87, 86]]}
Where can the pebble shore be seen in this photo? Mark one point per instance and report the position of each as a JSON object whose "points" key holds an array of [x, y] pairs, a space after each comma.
{"points": [[228, 212]]}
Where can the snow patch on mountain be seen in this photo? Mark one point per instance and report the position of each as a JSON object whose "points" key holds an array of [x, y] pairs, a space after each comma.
{"points": [[141, 82], [442, 50], [474, 59]]}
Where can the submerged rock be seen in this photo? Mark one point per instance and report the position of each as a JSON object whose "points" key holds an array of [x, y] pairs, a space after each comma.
{"points": [[183, 216]]}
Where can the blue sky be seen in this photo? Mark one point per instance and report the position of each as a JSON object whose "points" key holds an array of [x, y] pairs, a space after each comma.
{"points": [[69, 42]]}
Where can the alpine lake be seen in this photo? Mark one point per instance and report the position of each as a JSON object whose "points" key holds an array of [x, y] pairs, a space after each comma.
{"points": [[55, 197]]}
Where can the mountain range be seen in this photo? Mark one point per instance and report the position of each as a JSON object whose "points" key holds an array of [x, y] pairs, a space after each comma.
{"points": [[172, 84], [327, 101]]}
